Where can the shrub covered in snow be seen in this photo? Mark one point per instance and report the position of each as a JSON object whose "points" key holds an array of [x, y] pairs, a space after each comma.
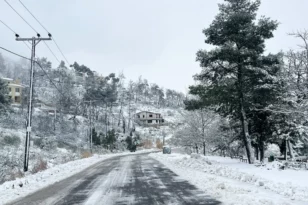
{"points": [[39, 166], [7, 140], [272, 150], [195, 156]]}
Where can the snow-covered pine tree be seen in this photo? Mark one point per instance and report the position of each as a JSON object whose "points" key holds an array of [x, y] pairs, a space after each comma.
{"points": [[239, 41], [5, 99]]}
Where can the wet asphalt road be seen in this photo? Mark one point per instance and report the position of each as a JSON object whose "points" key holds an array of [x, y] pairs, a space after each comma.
{"points": [[132, 179]]}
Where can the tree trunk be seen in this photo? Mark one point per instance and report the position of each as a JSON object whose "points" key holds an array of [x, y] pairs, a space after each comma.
{"points": [[262, 150], [124, 125], [204, 148], [203, 129], [243, 119], [261, 147], [257, 152], [120, 113], [129, 113], [106, 119], [245, 135], [286, 151], [290, 149]]}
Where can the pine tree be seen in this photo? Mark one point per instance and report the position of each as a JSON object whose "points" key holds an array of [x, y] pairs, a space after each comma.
{"points": [[239, 42], [5, 99], [95, 137]]}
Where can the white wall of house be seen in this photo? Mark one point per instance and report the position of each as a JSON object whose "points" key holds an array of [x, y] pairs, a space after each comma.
{"points": [[149, 118]]}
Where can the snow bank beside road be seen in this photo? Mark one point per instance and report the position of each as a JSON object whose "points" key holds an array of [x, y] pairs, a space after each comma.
{"points": [[270, 172], [231, 185], [11, 190]]}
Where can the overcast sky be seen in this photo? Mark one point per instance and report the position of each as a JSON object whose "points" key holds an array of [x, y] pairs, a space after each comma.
{"points": [[155, 39]]}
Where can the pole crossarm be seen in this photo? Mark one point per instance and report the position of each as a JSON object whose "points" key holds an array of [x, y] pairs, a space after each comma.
{"points": [[30, 39]]}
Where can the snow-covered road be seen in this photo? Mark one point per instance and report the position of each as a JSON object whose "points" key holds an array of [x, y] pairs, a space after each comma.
{"points": [[130, 179]]}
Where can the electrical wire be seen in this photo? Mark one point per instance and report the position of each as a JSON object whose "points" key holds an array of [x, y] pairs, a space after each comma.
{"points": [[32, 26], [45, 30], [13, 32], [8, 27], [33, 16], [20, 16], [27, 45], [51, 51], [49, 78], [38, 65], [60, 51], [15, 53]]}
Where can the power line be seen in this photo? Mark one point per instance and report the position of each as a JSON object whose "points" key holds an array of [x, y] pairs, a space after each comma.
{"points": [[27, 45], [33, 16], [15, 53], [51, 52], [13, 32], [60, 51], [45, 30], [49, 78], [8, 27], [32, 27], [38, 65], [21, 17]]}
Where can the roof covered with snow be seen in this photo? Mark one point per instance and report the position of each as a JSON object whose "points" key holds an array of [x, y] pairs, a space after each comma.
{"points": [[7, 79], [147, 112]]}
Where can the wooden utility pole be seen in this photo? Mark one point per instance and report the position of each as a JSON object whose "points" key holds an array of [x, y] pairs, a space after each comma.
{"points": [[34, 41], [91, 126]]}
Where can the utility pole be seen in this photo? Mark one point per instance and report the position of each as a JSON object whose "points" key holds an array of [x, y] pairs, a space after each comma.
{"points": [[34, 41], [91, 126], [90, 118], [54, 122], [164, 134]]}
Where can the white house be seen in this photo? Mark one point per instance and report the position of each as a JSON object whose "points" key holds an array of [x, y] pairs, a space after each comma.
{"points": [[15, 89], [149, 118]]}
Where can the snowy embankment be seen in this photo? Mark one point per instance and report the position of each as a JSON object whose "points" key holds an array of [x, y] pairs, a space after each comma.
{"points": [[227, 183], [11, 190]]}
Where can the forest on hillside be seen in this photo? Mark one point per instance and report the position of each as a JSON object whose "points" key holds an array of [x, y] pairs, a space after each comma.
{"points": [[71, 104], [80, 92]]}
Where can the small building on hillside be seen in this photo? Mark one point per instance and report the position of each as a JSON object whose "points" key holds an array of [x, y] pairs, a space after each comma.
{"points": [[45, 107], [15, 89], [149, 118]]}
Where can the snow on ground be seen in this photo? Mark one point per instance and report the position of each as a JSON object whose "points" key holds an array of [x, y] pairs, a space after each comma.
{"points": [[297, 178], [11, 190], [225, 180]]}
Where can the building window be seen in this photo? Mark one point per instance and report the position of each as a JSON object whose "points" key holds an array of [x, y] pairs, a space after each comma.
{"points": [[16, 99], [17, 90], [10, 89], [156, 121], [138, 116], [150, 115], [162, 121], [143, 116], [149, 121]]}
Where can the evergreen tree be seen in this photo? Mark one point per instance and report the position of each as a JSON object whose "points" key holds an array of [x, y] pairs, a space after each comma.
{"points": [[5, 99], [267, 90], [239, 42], [95, 137]]}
